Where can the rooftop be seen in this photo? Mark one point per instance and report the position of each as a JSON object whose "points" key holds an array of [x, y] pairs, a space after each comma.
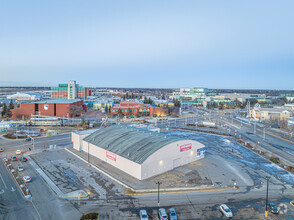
{"points": [[132, 143], [58, 101]]}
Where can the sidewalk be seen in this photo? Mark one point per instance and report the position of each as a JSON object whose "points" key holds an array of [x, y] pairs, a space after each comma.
{"points": [[74, 194]]}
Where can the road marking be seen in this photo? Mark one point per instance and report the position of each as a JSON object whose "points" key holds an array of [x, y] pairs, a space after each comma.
{"points": [[35, 208], [3, 181], [12, 189], [2, 191]]}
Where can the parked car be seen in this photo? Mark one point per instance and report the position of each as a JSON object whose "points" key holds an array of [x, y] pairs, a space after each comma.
{"points": [[24, 159], [27, 179], [226, 211], [28, 139], [162, 214], [273, 208], [20, 168], [143, 215], [172, 214], [1, 149], [14, 158], [17, 152]]}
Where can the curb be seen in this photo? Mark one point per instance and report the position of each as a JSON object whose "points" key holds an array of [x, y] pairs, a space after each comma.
{"points": [[153, 191], [26, 196]]}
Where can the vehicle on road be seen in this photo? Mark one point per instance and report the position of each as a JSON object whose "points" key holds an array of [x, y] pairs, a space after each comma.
{"points": [[1, 149], [273, 208], [226, 211], [14, 158], [3, 130], [27, 179], [28, 139], [20, 168], [17, 152], [172, 214], [24, 159], [162, 214], [292, 202], [143, 215]]}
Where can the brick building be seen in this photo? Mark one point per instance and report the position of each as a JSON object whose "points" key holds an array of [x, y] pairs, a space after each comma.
{"points": [[57, 108], [136, 109]]}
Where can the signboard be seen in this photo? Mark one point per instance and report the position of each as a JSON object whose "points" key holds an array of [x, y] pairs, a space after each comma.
{"points": [[110, 156], [46, 107], [185, 147]]}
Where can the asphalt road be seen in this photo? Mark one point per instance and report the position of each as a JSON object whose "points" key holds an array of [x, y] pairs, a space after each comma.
{"points": [[44, 204]]}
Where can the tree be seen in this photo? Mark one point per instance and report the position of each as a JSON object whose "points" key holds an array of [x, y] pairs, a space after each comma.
{"points": [[75, 110], [106, 108], [128, 112], [4, 110], [11, 105], [127, 95]]}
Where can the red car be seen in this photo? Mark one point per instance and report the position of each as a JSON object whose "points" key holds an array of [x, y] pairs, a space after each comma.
{"points": [[14, 158], [24, 159]]}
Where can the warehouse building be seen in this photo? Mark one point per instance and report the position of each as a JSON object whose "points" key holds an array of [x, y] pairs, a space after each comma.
{"points": [[138, 152]]}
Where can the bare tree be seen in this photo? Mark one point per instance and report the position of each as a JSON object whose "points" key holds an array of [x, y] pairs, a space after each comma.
{"points": [[75, 110]]}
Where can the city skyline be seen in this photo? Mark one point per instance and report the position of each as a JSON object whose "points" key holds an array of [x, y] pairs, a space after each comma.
{"points": [[244, 45]]}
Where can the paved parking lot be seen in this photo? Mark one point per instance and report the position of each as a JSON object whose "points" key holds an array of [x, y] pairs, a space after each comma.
{"points": [[71, 174]]}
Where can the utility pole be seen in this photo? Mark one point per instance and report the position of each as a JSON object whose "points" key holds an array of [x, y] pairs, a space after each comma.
{"points": [[266, 201], [264, 133], [158, 184], [254, 129]]}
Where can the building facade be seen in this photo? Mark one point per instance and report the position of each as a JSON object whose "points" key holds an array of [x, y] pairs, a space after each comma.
{"points": [[264, 114], [133, 109], [71, 90], [59, 108]]}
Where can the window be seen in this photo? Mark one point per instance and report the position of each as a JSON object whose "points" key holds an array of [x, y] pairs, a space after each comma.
{"points": [[130, 110], [116, 110], [112, 110], [134, 110], [125, 110]]}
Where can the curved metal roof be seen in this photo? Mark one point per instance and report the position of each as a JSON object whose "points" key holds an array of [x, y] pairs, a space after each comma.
{"points": [[132, 143]]}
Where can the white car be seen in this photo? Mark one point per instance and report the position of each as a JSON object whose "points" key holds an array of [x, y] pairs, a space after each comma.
{"points": [[162, 214], [226, 211], [27, 179], [143, 215], [17, 152]]}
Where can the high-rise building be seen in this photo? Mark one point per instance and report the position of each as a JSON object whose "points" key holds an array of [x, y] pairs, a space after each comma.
{"points": [[71, 90]]}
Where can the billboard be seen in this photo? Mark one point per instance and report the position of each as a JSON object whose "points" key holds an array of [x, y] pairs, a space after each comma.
{"points": [[110, 156], [185, 147]]}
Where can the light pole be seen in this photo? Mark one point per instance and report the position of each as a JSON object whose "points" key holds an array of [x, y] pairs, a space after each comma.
{"points": [[158, 184], [266, 201], [88, 156]]}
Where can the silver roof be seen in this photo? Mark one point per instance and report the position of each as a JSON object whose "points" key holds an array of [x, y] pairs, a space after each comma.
{"points": [[132, 143]]}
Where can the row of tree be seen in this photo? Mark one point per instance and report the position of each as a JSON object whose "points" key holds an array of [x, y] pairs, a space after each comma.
{"points": [[6, 111]]}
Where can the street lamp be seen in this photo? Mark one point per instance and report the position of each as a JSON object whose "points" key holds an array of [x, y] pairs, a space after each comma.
{"points": [[88, 156], [158, 184], [266, 202]]}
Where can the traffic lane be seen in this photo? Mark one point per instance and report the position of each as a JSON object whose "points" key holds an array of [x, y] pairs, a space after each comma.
{"points": [[40, 144], [37, 139], [44, 198], [13, 204]]}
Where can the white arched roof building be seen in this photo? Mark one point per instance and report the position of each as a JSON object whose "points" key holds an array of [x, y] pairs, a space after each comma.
{"points": [[137, 152]]}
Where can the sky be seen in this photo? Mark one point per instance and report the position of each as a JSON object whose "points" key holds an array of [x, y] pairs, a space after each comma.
{"points": [[244, 44]]}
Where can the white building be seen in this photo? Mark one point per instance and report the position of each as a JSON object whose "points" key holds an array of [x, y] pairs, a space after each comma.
{"points": [[24, 96], [138, 152]]}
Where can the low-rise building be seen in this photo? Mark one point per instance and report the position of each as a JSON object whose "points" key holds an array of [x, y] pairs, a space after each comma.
{"points": [[133, 109], [60, 108], [138, 152], [263, 114]]}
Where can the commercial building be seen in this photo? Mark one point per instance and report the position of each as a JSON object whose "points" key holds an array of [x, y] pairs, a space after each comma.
{"points": [[138, 152], [25, 96], [71, 90], [137, 109], [60, 108], [263, 114], [191, 93]]}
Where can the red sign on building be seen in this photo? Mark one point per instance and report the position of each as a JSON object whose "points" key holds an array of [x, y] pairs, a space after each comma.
{"points": [[185, 147], [111, 156]]}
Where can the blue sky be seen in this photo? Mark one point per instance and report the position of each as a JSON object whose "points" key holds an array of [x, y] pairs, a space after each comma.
{"points": [[215, 44]]}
